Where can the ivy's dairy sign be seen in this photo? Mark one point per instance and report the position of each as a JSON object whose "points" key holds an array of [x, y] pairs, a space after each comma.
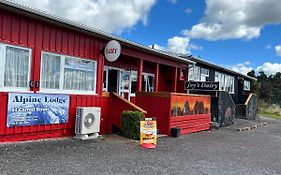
{"points": [[199, 85], [35, 109], [112, 50]]}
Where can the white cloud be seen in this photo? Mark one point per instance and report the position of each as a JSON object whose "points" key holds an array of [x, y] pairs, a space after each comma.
{"points": [[269, 68], [225, 19], [107, 15], [195, 47], [247, 62], [268, 46], [242, 68], [278, 50], [188, 10], [178, 44], [173, 1]]}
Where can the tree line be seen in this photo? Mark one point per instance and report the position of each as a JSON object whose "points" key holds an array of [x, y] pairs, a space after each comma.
{"points": [[268, 88]]}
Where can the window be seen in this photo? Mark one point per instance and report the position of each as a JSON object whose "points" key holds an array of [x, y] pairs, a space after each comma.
{"points": [[196, 73], [247, 85], [226, 82], [134, 79], [14, 67], [147, 82], [204, 74], [105, 80], [60, 72]]}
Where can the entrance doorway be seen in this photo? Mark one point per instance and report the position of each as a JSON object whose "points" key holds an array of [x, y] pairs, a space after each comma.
{"points": [[118, 81], [110, 80]]}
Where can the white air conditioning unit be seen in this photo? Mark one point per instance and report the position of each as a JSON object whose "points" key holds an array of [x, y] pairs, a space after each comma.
{"points": [[87, 123]]}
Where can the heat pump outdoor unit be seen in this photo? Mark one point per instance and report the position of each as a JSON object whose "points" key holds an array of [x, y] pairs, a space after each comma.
{"points": [[87, 123]]}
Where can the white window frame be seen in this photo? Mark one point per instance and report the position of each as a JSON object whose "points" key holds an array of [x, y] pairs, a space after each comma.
{"points": [[118, 76], [2, 69], [223, 83], [146, 75], [61, 90], [204, 75], [191, 73], [133, 72], [197, 77], [105, 86], [248, 87]]}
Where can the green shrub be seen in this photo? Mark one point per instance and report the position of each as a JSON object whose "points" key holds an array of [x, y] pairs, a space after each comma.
{"points": [[130, 124]]}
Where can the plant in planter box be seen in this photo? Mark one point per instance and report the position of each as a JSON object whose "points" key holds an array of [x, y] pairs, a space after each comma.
{"points": [[130, 123]]}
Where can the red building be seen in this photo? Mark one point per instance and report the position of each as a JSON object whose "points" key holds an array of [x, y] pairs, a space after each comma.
{"points": [[45, 54]]}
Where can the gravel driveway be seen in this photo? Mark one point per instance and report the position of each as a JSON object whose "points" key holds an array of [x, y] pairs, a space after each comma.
{"points": [[223, 151]]}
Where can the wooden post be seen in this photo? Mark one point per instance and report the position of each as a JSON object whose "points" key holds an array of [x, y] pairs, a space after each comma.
{"points": [[100, 68], [139, 86], [175, 80], [156, 77]]}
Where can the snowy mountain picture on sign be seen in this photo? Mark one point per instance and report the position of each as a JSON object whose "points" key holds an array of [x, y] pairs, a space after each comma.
{"points": [[37, 109]]}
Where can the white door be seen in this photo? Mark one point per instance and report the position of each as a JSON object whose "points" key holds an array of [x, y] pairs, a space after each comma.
{"points": [[124, 84], [105, 80]]}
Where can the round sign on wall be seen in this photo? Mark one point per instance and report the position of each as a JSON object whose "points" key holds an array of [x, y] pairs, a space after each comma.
{"points": [[112, 50]]}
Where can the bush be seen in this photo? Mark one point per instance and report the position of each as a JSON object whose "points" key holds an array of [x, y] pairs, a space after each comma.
{"points": [[130, 124], [268, 110]]}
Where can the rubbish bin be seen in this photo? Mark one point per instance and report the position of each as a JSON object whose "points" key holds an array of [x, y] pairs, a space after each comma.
{"points": [[175, 132]]}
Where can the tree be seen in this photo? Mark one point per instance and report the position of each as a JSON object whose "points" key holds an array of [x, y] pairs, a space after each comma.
{"points": [[267, 88], [255, 85], [276, 88]]}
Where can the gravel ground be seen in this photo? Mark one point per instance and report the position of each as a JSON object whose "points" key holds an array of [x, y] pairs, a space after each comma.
{"points": [[223, 151]]}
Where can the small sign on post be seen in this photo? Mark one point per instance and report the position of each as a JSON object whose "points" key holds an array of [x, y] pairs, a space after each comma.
{"points": [[148, 133]]}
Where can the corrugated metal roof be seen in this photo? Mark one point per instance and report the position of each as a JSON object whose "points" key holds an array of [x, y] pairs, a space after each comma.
{"points": [[78, 25]]}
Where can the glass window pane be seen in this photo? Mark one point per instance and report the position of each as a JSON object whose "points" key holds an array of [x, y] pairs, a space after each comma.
{"points": [[50, 77], [16, 67], [79, 74], [204, 71], [151, 83], [196, 75], [134, 80], [105, 81], [246, 85], [148, 83], [190, 73], [203, 78]]}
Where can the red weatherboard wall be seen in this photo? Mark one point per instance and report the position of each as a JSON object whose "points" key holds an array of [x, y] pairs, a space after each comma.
{"points": [[124, 63], [148, 67], [159, 105], [191, 123], [21, 30], [196, 119], [54, 130]]}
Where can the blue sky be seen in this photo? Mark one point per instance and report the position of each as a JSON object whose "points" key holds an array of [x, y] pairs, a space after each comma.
{"points": [[241, 34]]}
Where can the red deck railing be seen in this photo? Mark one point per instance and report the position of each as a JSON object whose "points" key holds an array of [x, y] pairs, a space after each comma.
{"points": [[120, 104]]}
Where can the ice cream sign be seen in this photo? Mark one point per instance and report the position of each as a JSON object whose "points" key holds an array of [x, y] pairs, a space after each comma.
{"points": [[36, 109], [148, 131], [112, 50]]}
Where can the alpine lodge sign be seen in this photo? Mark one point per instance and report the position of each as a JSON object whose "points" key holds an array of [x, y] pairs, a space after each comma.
{"points": [[203, 86]]}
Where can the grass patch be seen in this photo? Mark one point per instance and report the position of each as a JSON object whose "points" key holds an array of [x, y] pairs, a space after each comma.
{"points": [[273, 111], [269, 114]]}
